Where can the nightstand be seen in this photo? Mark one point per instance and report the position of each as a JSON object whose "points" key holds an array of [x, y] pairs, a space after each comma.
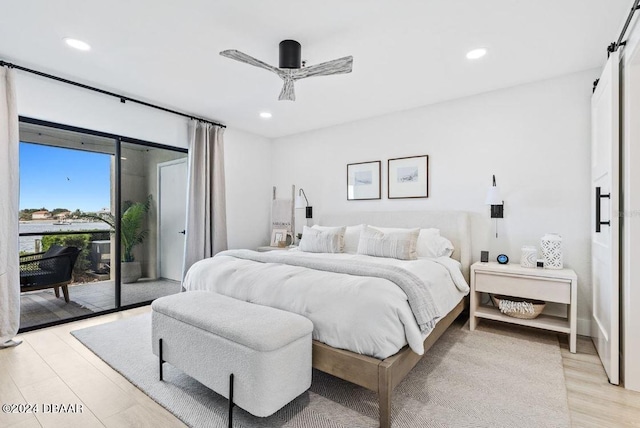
{"points": [[270, 248], [550, 285]]}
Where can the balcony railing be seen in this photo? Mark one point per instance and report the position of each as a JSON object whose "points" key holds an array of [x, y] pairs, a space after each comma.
{"points": [[94, 260]]}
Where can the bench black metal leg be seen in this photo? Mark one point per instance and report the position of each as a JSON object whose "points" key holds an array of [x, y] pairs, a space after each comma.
{"points": [[160, 360], [231, 400]]}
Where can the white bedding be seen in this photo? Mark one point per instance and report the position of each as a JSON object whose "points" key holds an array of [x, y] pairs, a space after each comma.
{"points": [[370, 316]]}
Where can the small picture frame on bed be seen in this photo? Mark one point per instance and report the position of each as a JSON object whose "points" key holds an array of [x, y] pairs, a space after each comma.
{"points": [[278, 236], [408, 177], [363, 181]]}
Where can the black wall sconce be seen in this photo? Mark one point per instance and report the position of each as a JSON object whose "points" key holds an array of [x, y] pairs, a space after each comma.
{"points": [[495, 200], [300, 203], [497, 204]]}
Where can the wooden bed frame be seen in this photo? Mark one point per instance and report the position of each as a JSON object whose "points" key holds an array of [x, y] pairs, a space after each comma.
{"points": [[382, 376]]}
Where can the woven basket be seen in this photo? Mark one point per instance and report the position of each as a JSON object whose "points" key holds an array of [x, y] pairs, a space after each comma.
{"points": [[538, 306]]}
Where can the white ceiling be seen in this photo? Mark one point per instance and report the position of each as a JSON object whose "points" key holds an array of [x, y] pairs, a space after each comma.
{"points": [[406, 53]]}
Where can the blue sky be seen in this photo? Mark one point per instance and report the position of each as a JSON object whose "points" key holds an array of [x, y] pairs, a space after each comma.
{"points": [[53, 177]]}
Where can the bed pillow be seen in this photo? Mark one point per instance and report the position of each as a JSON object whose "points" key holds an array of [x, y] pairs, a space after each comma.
{"points": [[351, 236], [430, 243], [397, 244], [330, 240]]}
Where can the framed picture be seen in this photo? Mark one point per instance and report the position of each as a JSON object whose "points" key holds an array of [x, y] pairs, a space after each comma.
{"points": [[408, 177], [278, 235], [363, 181]]}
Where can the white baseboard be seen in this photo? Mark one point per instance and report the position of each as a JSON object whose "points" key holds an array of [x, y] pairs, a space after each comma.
{"points": [[584, 327]]}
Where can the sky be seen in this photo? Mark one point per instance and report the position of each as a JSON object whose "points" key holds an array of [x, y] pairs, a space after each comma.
{"points": [[54, 177]]}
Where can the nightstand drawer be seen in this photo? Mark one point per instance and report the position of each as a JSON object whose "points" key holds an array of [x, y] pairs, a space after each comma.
{"points": [[547, 289]]}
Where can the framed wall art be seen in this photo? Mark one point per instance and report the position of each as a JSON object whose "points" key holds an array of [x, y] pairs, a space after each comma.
{"points": [[363, 181], [408, 177]]}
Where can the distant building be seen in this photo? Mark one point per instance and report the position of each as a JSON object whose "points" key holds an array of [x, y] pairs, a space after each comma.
{"points": [[63, 215], [40, 215]]}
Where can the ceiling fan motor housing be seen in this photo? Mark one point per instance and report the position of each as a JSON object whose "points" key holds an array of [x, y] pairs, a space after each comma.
{"points": [[290, 54]]}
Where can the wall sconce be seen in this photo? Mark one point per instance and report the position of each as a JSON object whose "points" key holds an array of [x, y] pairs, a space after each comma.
{"points": [[495, 200], [497, 204], [304, 203]]}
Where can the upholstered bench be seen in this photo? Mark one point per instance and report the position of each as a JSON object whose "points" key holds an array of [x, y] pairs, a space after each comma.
{"points": [[256, 356]]}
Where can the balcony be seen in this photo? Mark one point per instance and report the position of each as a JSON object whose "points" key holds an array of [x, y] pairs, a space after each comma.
{"points": [[93, 287], [71, 176]]}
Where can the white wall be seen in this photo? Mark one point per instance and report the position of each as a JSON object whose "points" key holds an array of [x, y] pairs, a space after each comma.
{"points": [[46, 99], [535, 138], [247, 170]]}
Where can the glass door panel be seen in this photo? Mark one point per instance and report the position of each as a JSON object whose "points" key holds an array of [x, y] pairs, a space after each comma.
{"points": [[66, 182], [153, 205]]}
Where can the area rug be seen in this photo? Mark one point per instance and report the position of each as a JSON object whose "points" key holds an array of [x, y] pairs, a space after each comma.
{"points": [[496, 376]]}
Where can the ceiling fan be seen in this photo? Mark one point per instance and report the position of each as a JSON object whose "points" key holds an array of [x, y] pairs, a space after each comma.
{"points": [[290, 67]]}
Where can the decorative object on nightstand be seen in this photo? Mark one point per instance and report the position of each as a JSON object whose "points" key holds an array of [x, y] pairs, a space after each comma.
{"points": [[484, 256], [277, 236], [503, 259], [551, 245], [529, 256], [531, 285], [518, 307], [497, 204], [304, 203]]}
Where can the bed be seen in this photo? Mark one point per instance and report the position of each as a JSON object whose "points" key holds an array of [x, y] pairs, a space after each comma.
{"points": [[372, 342]]}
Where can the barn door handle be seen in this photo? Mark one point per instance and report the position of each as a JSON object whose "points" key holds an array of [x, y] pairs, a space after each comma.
{"points": [[599, 196], [183, 232]]}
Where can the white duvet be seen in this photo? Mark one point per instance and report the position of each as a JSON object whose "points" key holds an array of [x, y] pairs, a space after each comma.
{"points": [[370, 316]]}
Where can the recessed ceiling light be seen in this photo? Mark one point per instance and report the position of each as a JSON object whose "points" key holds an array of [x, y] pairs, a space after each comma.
{"points": [[77, 44], [265, 115], [476, 53]]}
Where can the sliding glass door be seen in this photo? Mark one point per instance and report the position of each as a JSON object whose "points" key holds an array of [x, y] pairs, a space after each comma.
{"points": [[153, 204], [106, 209]]}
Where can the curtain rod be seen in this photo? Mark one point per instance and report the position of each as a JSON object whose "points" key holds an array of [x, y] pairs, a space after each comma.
{"points": [[616, 45], [122, 98]]}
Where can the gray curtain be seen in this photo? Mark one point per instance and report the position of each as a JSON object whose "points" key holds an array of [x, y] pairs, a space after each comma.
{"points": [[206, 208], [9, 188]]}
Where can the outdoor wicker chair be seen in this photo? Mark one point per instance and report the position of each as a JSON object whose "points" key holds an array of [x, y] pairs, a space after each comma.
{"points": [[50, 269]]}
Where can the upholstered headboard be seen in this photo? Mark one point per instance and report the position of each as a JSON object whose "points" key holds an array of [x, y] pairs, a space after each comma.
{"points": [[453, 225]]}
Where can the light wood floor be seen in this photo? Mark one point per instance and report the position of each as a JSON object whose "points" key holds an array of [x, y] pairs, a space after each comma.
{"points": [[52, 367]]}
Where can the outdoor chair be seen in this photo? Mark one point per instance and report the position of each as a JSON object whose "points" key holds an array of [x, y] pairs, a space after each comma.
{"points": [[50, 269]]}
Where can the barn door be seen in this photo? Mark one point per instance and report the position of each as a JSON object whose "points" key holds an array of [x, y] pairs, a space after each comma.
{"points": [[605, 139]]}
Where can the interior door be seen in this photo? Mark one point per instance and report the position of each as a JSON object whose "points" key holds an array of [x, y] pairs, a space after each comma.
{"points": [[605, 123], [172, 214]]}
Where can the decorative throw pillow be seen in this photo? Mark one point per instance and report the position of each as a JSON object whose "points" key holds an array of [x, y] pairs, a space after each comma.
{"points": [[330, 240], [351, 236], [430, 243], [398, 244]]}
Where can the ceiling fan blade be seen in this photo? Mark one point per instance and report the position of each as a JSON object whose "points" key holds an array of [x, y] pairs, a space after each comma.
{"points": [[288, 93], [243, 57], [337, 66]]}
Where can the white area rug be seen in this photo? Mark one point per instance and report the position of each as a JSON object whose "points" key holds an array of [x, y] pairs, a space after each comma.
{"points": [[496, 376]]}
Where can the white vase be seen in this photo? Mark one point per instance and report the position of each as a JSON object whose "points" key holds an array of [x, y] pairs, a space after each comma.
{"points": [[551, 245], [529, 256]]}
